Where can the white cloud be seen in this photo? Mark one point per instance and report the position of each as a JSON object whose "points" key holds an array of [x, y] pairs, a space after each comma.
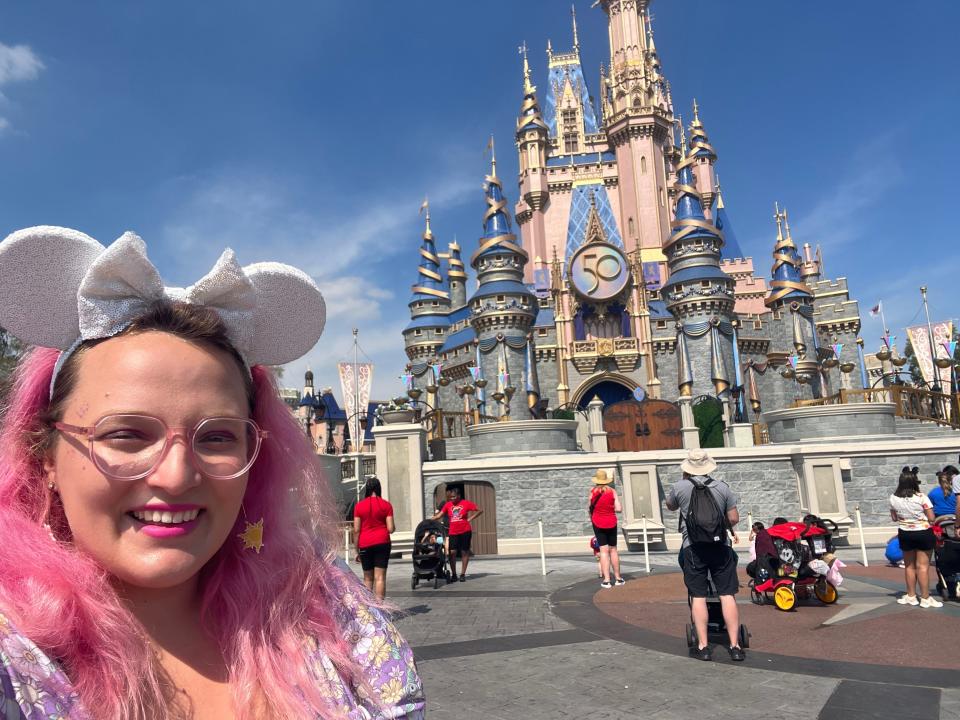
{"points": [[837, 219], [344, 247], [18, 63]]}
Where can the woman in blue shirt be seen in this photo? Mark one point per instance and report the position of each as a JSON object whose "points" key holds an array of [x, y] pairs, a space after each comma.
{"points": [[942, 497]]}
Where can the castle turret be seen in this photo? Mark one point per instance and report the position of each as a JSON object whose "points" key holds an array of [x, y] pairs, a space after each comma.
{"points": [[532, 143], [706, 158], [456, 276], [786, 283], [503, 308], [638, 119], [697, 292], [429, 304]]}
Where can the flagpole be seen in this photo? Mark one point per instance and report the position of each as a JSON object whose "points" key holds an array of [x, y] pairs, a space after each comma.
{"points": [[883, 319]]}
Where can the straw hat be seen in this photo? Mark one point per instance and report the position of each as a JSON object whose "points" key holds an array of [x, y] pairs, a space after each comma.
{"points": [[601, 478], [698, 462]]}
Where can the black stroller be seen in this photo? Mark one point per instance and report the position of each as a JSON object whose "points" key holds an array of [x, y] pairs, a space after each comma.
{"points": [[947, 557], [429, 558]]}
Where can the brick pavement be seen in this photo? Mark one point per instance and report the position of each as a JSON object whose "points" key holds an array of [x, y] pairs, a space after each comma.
{"points": [[493, 647]]}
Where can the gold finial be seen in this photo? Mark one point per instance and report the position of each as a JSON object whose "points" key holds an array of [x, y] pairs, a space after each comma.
{"points": [[786, 224], [576, 37], [492, 149], [696, 113], [648, 16], [778, 217], [425, 208], [528, 87], [683, 136], [549, 49], [719, 194]]}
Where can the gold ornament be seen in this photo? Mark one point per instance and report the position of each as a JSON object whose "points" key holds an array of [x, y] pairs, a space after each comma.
{"points": [[252, 536]]}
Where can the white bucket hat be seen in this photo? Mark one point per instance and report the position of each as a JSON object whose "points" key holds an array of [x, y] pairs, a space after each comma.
{"points": [[698, 462]]}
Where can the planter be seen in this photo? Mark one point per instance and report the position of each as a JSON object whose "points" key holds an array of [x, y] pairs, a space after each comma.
{"points": [[396, 417]]}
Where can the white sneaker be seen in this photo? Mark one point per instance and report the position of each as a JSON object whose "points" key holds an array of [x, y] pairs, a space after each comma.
{"points": [[606, 585], [908, 600], [930, 602]]}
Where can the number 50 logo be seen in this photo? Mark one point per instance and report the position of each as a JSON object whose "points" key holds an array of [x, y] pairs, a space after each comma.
{"points": [[599, 271]]}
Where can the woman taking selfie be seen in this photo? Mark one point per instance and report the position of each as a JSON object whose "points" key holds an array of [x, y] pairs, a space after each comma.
{"points": [[165, 544]]}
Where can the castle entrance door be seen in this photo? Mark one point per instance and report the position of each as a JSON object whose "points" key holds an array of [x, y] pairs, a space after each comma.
{"points": [[484, 540], [633, 426]]}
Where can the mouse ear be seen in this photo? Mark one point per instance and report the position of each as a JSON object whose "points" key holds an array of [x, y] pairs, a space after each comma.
{"points": [[41, 269], [289, 315]]}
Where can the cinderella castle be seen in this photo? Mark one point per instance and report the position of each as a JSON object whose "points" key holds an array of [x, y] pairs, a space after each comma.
{"points": [[617, 274]]}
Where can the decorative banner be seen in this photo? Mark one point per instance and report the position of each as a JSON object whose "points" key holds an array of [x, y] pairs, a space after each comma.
{"points": [[836, 350], [356, 388], [475, 373], [920, 340], [436, 370], [794, 359], [951, 348], [407, 379], [886, 342], [651, 275]]}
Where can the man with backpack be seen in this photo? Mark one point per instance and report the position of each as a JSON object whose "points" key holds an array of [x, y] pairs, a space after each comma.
{"points": [[708, 512]]}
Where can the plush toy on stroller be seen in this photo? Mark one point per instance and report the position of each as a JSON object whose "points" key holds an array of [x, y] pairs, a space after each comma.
{"points": [[793, 559], [429, 558]]}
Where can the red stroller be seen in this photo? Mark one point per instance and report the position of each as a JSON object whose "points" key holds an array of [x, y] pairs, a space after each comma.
{"points": [[784, 574]]}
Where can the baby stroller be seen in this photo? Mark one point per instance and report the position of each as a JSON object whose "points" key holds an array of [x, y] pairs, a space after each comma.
{"points": [[429, 559], [716, 625], [795, 566], [947, 557]]}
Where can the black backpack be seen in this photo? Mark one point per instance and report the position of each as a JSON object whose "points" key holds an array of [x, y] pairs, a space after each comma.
{"points": [[706, 522]]}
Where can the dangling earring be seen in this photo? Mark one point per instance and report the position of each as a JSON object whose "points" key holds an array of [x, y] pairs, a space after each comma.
{"points": [[51, 487], [252, 534]]}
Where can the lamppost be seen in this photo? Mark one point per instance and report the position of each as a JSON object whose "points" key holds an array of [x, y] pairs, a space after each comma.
{"points": [[467, 391], [356, 444], [312, 411]]}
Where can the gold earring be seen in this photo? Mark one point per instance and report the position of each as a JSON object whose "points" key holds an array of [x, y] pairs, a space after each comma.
{"points": [[252, 534], [51, 487]]}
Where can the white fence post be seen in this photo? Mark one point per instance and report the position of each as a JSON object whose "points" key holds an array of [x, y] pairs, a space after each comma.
{"points": [[346, 545], [646, 547], [543, 554], [863, 544]]}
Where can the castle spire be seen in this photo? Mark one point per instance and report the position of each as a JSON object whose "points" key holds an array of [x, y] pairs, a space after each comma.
{"points": [[576, 37], [701, 149], [786, 284], [731, 248]]}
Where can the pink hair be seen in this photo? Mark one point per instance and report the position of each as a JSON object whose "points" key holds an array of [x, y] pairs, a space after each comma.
{"points": [[264, 609]]}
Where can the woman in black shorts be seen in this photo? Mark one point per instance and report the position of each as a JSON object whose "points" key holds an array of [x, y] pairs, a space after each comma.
{"points": [[604, 506], [372, 527], [913, 512]]}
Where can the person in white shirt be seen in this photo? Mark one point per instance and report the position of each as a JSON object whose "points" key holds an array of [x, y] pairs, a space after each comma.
{"points": [[913, 513]]}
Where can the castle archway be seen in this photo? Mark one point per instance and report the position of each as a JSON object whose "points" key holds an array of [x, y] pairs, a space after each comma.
{"points": [[609, 387]]}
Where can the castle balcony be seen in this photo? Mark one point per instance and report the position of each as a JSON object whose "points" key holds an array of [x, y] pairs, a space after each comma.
{"points": [[625, 352]]}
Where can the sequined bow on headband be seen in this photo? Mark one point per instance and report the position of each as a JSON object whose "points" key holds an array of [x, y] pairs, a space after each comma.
{"points": [[59, 287]]}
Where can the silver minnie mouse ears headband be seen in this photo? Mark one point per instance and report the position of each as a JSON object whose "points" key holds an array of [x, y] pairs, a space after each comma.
{"points": [[59, 287]]}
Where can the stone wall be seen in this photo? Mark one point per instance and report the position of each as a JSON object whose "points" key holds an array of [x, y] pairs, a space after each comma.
{"points": [[833, 422], [530, 436]]}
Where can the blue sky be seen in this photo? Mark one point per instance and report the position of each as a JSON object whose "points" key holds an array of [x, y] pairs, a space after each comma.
{"points": [[309, 132]]}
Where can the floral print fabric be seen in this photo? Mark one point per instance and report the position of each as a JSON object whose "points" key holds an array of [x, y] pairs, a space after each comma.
{"points": [[32, 687]]}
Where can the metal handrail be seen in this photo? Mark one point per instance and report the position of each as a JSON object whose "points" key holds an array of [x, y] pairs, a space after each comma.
{"points": [[909, 402]]}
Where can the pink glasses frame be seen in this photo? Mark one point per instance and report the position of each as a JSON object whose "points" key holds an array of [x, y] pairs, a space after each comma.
{"points": [[171, 433]]}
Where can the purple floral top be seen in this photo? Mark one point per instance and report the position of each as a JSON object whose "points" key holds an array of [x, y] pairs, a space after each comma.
{"points": [[33, 687]]}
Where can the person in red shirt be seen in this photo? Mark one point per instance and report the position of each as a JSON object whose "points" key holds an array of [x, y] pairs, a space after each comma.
{"points": [[460, 512], [604, 506], [372, 527]]}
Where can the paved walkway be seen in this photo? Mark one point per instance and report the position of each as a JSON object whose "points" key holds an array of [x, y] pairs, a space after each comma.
{"points": [[510, 642]]}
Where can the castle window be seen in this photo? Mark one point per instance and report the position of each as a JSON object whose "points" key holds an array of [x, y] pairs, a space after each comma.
{"points": [[541, 332], [757, 324], [643, 165], [663, 198], [633, 232], [501, 298], [435, 303], [570, 134], [661, 324], [419, 304], [418, 332], [439, 331], [704, 283]]}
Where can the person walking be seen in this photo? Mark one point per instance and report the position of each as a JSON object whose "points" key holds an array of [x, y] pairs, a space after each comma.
{"points": [[913, 513], [372, 528], [708, 513], [604, 506], [461, 513]]}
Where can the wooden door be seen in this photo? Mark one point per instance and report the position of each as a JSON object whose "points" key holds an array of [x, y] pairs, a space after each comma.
{"points": [[484, 540], [633, 426]]}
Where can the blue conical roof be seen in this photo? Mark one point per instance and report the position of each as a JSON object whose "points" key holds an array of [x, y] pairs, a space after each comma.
{"points": [[731, 248], [430, 284]]}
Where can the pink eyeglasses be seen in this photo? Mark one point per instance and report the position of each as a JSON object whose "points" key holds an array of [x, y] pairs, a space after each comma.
{"points": [[131, 446]]}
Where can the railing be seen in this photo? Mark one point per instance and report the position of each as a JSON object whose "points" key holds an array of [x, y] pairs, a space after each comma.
{"points": [[910, 402], [447, 424]]}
